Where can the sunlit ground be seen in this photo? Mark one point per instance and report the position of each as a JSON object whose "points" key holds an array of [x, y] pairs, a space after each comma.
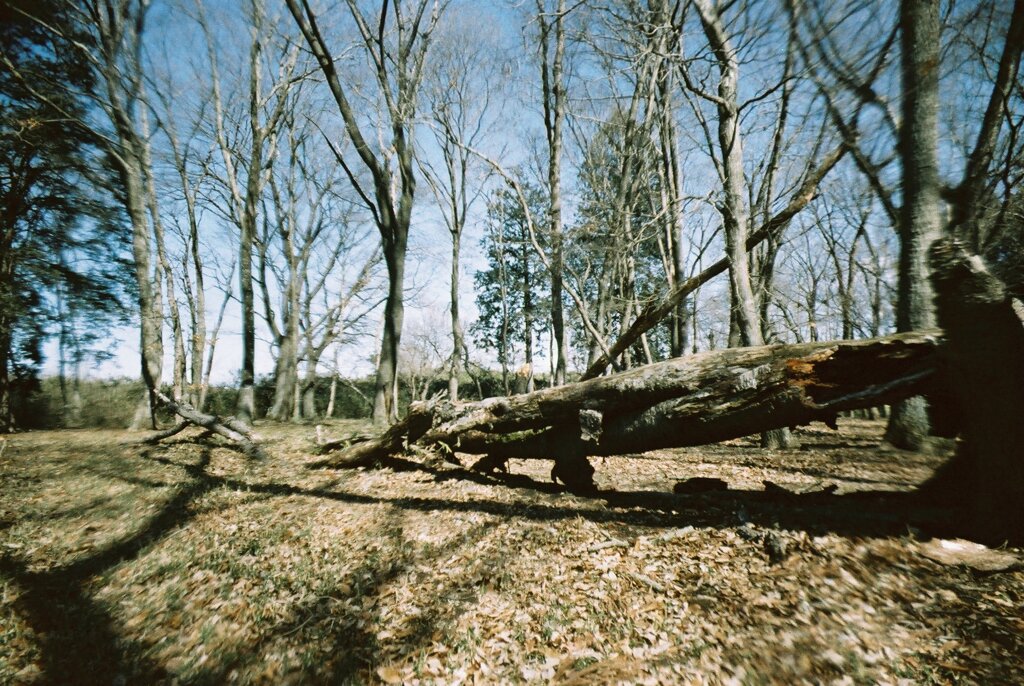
{"points": [[185, 563]]}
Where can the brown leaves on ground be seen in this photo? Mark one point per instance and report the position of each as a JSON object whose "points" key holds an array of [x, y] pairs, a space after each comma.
{"points": [[187, 563]]}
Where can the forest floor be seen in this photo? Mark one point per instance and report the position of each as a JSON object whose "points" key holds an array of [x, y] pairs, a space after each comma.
{"points": [[185, 563]]}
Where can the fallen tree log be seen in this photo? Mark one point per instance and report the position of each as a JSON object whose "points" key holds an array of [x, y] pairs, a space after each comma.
{"points": [[693, 400], [227, 427]]}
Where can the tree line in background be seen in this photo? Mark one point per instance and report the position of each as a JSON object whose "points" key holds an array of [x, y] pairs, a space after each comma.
{"points": [[188, 163]]}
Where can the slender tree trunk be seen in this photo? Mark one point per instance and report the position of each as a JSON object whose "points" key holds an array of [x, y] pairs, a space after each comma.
{"points": [[308, 397], [504, 286], [197, 312], [628, 291], [554, 113], [260, 133], [177, 333], [674, 223], [766, 284], [736, 222], [329, 412], [745, 324], [601, 312], [178, 382], [297, 401], [919, 215], [735, 213], [400, 75], [526, 373], [455, 366]]}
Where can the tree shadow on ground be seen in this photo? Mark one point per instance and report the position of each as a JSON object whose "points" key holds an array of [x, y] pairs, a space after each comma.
{"points": [[866, 513], [861, 513], [337, 625], [81, 643], [78, 639]]}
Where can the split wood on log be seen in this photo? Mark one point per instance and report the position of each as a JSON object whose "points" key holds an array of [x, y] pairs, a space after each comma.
{"points": [[686, 401]]}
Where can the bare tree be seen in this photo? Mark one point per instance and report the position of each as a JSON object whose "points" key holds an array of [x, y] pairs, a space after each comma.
{"points": [[247, 141], [306, 248], [734, 209], [666, 16], [397, 63], [459, 91], [979, 175], [746, 317], [631, 209], [834, 221], [778, 197], [551, 24]]}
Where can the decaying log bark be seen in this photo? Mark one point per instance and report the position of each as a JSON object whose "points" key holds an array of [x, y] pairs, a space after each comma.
{"points": [[685, 401], [985, 351]]}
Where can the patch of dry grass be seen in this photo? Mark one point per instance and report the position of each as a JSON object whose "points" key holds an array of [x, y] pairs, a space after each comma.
{"points": [[186, 563]]}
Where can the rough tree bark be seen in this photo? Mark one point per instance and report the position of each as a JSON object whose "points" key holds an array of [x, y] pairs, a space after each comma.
{"points": [[695, 400], [985, 352], [919, 215]]}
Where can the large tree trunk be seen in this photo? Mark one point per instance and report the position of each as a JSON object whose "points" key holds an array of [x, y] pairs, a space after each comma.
{"points": [[919, 216], [700, 399], [308, 398], [385, 408], [286, 373], [985, 352], [150, 305], [246, 408]]}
